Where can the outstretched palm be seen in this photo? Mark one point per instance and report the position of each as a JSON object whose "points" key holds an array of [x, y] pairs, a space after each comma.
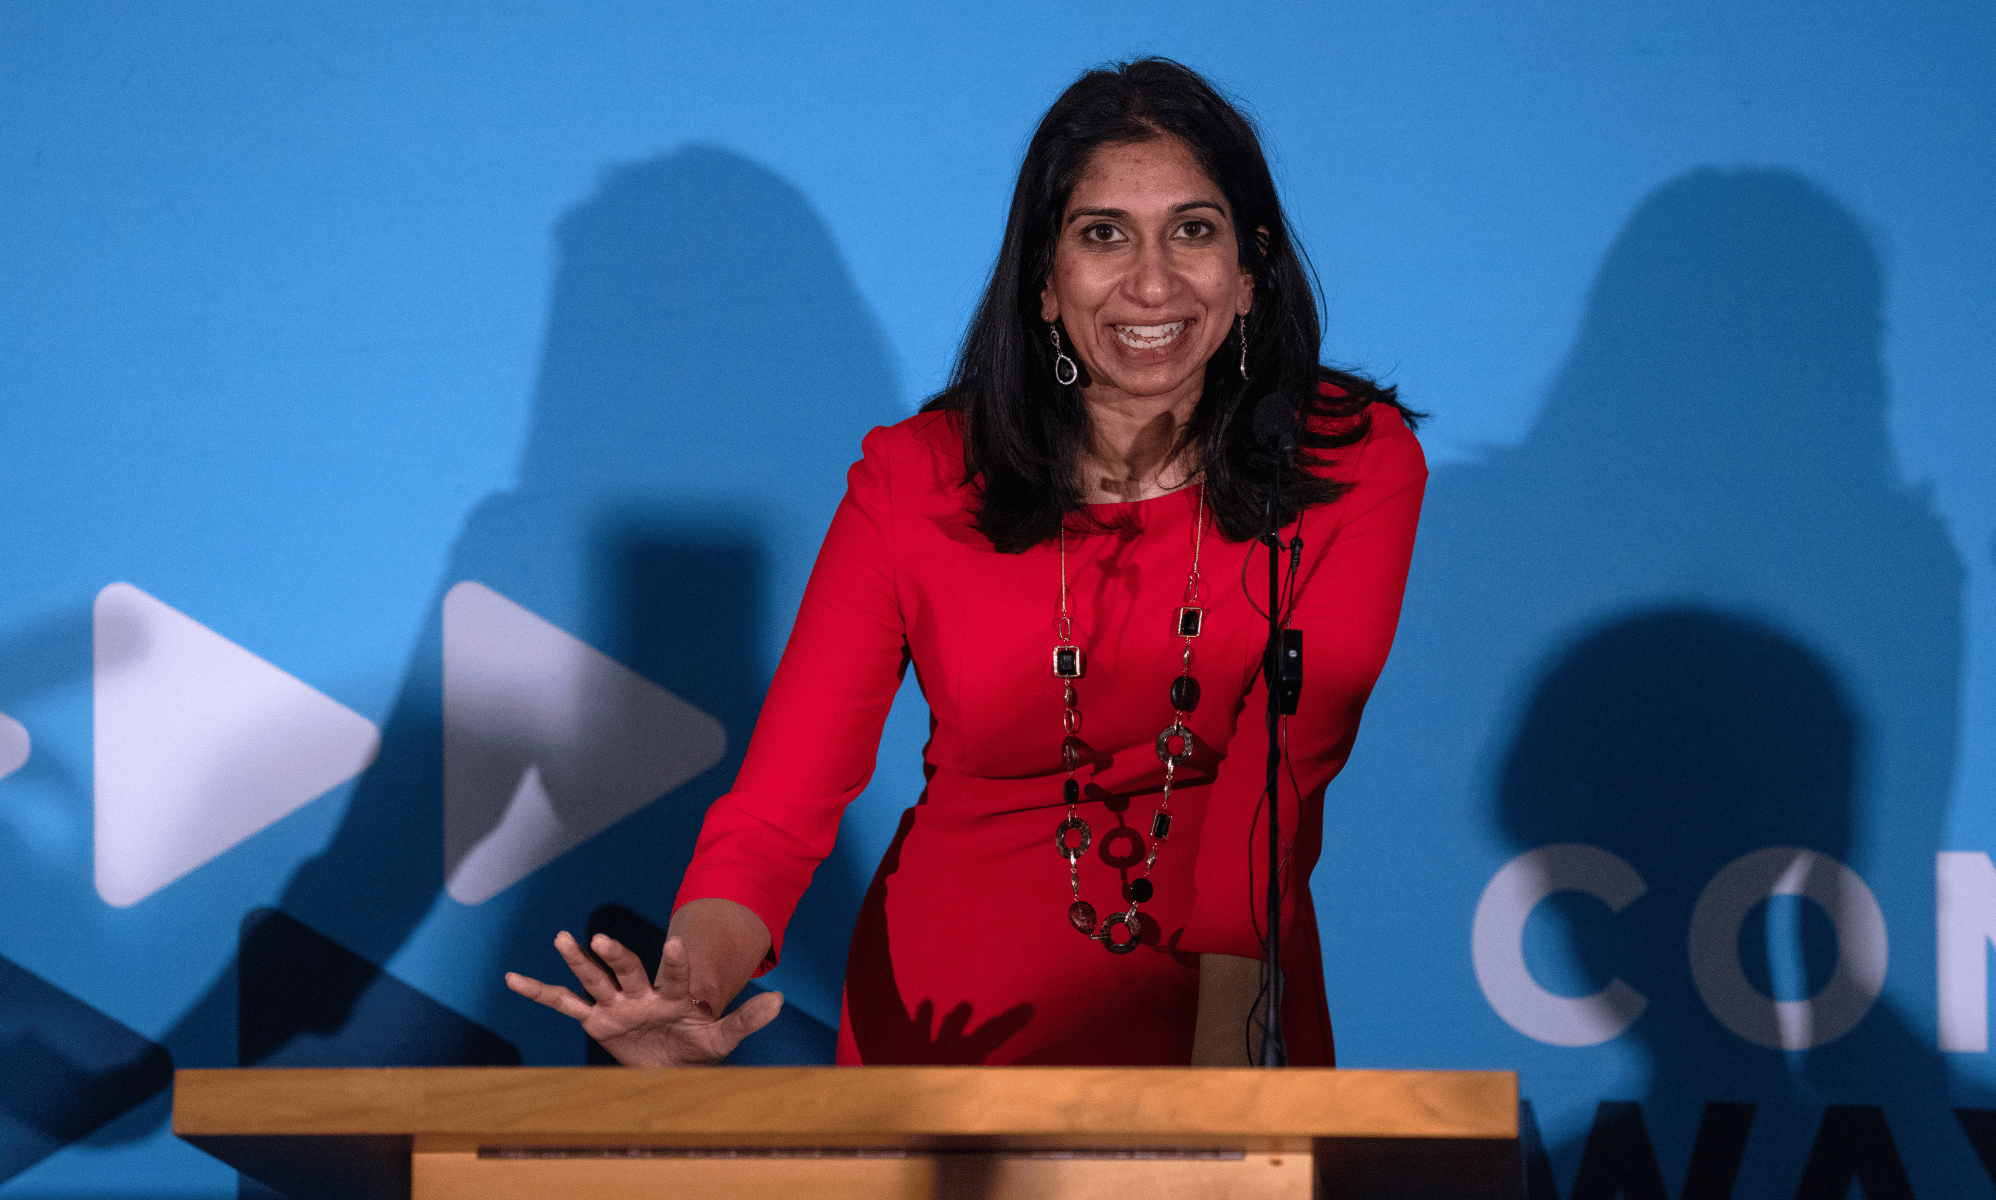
{"points": [[642, 1022]]}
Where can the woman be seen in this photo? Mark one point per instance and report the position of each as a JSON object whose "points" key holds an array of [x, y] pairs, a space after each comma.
{"points": [[1058, 544]]}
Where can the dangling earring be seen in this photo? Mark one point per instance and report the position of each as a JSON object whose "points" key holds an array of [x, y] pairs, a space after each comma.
{"points": [[1243, 345], [1064, 370]]}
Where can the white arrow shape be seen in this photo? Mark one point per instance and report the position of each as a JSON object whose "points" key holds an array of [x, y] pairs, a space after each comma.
{"points": [[13, 745], [547, 742], [199, 744]]}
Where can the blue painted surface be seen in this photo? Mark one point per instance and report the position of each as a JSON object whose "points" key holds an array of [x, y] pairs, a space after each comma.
{"points": [[310, 314]]}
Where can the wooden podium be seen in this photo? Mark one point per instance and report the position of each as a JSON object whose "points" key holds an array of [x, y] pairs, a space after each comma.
{"points": [[847, 1133]]}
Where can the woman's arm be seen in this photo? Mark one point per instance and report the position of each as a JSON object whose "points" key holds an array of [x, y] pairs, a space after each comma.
{"points": [[817, 736], [812, 751], [1348, 608]]}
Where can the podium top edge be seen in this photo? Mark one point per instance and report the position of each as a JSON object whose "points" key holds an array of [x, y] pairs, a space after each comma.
{"points": [[593, 1103]]}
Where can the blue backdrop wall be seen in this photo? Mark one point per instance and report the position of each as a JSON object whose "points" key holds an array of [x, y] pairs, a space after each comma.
{"points": [[372, 373]]}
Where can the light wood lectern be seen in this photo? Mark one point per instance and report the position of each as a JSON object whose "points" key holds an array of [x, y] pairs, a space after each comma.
{"points": [[847, 1133]]}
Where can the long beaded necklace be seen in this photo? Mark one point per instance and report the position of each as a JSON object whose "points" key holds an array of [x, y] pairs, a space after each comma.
{"points": [[1174, 746]]}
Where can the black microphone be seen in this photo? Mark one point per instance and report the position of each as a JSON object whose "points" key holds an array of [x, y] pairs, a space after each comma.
{"points": [[1274, 429], [1275, 436]]}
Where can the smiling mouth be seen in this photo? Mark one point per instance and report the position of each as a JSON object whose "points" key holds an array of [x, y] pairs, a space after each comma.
{"points": [[1148, 337]]}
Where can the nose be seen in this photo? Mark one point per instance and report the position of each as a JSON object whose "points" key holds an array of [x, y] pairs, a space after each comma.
{"points": [[1152, 279]]}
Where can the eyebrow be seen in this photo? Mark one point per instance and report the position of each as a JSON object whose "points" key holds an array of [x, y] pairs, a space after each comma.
{"points": [[1186, 207]]}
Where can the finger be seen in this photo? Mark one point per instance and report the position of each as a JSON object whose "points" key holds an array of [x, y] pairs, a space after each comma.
{"points": [[754, 1014], [560, 999], [675, 972], [630, 972], [591, 976]]}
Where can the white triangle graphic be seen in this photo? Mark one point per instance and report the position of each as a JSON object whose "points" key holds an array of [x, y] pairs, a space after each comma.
{"points": [[199, 744], [13, 745], [547, 742]]}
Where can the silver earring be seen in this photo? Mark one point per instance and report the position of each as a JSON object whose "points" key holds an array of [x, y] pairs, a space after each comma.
{"points": [[1243, 345], [1064, 370]]}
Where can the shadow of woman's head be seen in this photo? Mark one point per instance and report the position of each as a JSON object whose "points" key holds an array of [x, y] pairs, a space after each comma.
{"points": [[1684, 735], [1732, 332], [704, 330]]}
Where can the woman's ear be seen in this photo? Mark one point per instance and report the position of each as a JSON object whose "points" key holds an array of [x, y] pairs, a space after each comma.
{"points": [[1049, 304], [1247, 276]]}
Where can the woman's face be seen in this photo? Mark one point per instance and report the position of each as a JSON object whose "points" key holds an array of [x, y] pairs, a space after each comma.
{"points": [[1146, 274]]}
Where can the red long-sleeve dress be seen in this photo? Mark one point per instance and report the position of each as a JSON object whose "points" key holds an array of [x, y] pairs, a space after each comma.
{"points": [[963, 952]]}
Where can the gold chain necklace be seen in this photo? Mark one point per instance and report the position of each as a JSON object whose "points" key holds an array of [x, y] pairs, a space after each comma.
{"points": [[1174, 746]]}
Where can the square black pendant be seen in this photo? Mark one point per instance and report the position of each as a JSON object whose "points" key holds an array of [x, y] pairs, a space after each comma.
{"points": [[1190, 618], [1067, 662]]}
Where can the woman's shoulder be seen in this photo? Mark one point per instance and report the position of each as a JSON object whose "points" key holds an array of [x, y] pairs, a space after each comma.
{"points": [[924, 437], [1364, 442], [929, 433], [925, 449]]}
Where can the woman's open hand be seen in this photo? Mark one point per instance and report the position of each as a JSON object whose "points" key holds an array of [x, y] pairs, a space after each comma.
{"points": [[642, 1022]]}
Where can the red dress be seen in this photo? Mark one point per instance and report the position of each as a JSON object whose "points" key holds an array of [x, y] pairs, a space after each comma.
{"points": [[963, 952]]}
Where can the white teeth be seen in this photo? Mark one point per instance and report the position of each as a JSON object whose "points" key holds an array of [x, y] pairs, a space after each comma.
{"points": [[1148, 337]]}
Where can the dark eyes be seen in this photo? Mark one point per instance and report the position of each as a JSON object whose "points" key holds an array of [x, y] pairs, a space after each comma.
{"points": [[1105, 234]]}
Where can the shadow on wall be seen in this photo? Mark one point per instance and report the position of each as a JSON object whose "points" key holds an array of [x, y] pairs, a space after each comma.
{"points": [[1692, 616], [707, 357]]}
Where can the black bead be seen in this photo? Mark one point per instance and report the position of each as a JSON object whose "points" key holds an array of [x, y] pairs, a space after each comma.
{"points": [[1071, 791], [1184, 694], [1160, 825], [1138, 890]]}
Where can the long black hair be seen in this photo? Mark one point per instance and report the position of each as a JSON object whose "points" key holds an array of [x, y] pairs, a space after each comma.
{"points": [[1024, 433]]}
